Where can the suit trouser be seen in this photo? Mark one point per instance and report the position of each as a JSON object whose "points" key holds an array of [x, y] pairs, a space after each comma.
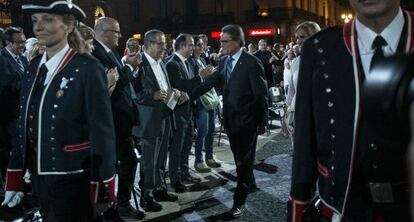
{"points": [[127, 167], [179, 151], [243, 146], [153, 161]]}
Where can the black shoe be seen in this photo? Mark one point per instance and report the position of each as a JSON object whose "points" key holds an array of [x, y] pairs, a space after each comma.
{"points": [[162, 195], [253, 189], [236, 211], [151, 206], [130, 212], [179, 187], [191, 179]]}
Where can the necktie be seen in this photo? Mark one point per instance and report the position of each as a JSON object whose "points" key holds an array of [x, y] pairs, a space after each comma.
{"points": [[115, 59], [378, 43], [189, 73], [229, 67], [41, 76], [19, 62]]}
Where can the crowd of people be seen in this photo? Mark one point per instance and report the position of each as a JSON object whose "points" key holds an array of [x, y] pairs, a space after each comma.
{"points": [[77, 113], [77, 116]]}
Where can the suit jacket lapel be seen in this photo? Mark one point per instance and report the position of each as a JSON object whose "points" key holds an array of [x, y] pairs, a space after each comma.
{"points": [[235, 68], [149, 72], [237, 65], [111, 55], [182, 66], [16, 68]]}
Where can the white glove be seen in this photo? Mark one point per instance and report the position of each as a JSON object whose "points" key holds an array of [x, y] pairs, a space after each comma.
{"points": [[12, 198]]}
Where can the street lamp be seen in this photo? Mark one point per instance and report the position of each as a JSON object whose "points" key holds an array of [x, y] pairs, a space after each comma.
{"points": [[346, 17]]}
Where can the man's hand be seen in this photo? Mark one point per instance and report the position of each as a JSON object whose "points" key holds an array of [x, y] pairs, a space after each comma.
{"points": [[183, 98], [12, 198], [161, 95], [133, 59], [206, 72], [113, 76], [177, 94], [100, 208]]}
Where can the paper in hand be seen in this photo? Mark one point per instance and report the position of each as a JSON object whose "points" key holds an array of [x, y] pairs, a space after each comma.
{"points": [[172, 102]]}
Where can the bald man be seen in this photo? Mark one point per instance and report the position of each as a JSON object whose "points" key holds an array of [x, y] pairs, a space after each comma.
{"points": [[108, 33]]}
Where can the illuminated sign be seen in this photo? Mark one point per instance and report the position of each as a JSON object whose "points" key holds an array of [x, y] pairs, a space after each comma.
{"points": [[215, 35], [260, 32], [136, 36]]}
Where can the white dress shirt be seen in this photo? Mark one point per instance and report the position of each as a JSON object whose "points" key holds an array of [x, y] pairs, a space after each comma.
{"points": [[159, 73], [293, 84], [366, 36], [53, 63]]}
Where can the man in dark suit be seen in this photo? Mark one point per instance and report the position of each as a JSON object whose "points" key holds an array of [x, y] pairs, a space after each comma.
{"points": [[181, 75], [12, 66], [360, 172], [156, 119], [206, 49], [264, 55], [123, 107], [242, 80]]}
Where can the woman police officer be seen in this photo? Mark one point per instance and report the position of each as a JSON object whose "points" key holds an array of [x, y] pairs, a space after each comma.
{"points": [[65, 130]]}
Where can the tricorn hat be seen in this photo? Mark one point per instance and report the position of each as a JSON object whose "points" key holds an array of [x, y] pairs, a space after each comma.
{"points": [[62, 7]]}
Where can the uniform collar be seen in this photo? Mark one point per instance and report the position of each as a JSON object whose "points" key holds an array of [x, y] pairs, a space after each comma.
{"points": [[52, 63]]}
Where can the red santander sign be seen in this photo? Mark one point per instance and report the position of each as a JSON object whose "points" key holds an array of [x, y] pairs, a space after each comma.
{"points": [[215, 34], [260, 32]]}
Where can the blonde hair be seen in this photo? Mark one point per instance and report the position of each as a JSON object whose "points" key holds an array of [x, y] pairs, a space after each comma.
{"points": [[75, 39], [33, 51], [309, 26]]}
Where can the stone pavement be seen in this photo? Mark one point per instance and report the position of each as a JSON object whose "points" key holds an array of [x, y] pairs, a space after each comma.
{"points": [[213, 197]]}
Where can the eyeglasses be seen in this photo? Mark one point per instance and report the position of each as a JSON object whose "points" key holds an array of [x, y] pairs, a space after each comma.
{"points": [[160, 43], [114, 31], [19, 42]]}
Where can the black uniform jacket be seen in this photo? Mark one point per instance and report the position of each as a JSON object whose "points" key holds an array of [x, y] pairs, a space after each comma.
{"points": [[245, 100], [179, 80], [330, 144], [75, 130]]}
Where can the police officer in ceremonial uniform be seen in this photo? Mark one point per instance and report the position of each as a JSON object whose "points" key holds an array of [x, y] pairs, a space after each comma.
{"points": [[357, 165], [66, 133]]}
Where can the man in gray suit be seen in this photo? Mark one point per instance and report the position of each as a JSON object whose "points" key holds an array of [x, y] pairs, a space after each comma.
{"points": [[156, 120]]}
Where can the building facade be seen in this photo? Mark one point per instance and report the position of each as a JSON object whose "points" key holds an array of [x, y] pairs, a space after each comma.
{"points": [[274, 20]]}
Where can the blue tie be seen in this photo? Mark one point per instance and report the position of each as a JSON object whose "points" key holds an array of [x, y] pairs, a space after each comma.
{"points": [[229, 67]]}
